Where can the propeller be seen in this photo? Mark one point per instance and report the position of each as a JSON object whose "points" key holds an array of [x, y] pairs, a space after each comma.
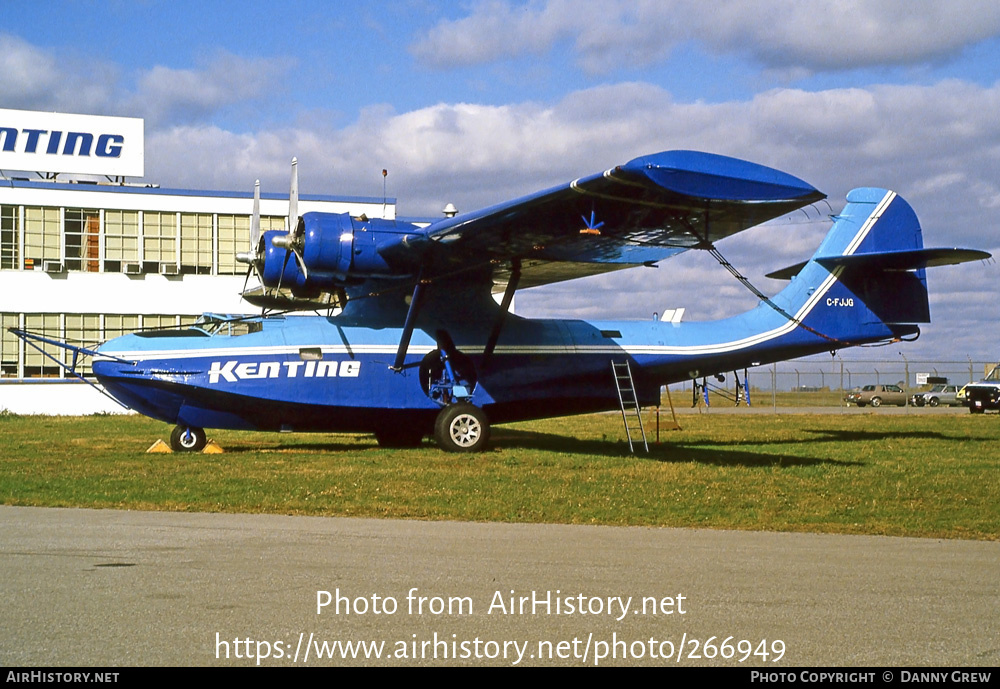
{"points": [[292, 242]]}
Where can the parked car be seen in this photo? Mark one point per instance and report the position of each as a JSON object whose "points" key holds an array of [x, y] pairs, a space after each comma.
{"points": [[939, 394], [877, 395], [985, 394]]}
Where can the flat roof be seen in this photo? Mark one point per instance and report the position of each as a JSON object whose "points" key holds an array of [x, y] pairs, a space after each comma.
{"points": [[112, 188]]}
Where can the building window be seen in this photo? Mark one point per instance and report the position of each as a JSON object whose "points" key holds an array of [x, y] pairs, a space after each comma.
{"points": [[116, 325], [272, 222], [159, 322], [83, 330], [83, 240], [36, 364], [196, 243], [159, 240], [8, 238], [234, 236], [41, 237], [9, 344], [121, 240]]}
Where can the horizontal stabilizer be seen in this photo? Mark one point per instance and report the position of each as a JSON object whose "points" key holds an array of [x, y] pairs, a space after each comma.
{"points": [[889, 261]]}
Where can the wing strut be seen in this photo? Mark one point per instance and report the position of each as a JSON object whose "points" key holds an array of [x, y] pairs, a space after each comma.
{"points": [[508, 296], [411, 318]]}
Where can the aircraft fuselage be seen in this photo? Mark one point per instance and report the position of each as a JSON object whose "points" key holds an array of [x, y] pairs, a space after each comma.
{"points": [[313, 373]]}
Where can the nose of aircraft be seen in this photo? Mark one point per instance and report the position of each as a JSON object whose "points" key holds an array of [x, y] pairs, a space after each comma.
{"points": [[130, 382]]}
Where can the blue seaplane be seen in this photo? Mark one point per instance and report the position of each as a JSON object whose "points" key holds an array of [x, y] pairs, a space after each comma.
{"points": [[420, 347]]}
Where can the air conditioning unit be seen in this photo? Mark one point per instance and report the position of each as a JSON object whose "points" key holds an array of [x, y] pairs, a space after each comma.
{"points": [[133, 269], [169, 269], [53, 267]]}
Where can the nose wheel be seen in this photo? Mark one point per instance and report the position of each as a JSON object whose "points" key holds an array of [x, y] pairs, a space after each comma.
{"points": [[462, 427], [187, 439]]}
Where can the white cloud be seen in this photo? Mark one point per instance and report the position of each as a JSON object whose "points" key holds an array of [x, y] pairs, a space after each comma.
{"points": [[33, 79], [168, 95], [36, 79], [497, 30], [811, 36]]}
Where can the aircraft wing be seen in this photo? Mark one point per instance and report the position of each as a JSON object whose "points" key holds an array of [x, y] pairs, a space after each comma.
{"points": [[638, 213]]}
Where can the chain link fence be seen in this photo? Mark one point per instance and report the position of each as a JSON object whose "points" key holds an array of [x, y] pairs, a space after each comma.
{"points": [[824, 381]]}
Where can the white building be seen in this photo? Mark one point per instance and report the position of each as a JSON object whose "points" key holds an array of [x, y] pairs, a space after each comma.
{"points": [[84, 261]]}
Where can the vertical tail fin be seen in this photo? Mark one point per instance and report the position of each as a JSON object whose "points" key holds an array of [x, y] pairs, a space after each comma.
{"points": [[867, 279]]}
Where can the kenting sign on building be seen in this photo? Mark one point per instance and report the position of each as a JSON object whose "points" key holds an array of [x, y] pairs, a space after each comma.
{"points": [[66, 143]]}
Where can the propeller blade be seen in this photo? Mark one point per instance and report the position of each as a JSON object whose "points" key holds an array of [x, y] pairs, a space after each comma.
{"points": [[246, 280], [302, 264], [255, 219], [281, 275], [255, 252], [293, 198]]}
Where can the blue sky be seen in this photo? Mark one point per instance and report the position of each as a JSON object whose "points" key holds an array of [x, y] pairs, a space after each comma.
{"points": [[476, 102]]}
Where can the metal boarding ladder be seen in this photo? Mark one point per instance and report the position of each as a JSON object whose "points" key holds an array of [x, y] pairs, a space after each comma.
{"points": [[629, 402]]}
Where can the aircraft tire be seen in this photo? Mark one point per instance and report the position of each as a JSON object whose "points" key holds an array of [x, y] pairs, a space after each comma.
{"points": [[462, 428], [187, 439], [399, 438]]}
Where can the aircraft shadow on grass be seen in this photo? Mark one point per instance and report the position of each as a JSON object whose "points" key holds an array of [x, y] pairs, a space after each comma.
{"points": [[667, 451], [331, 447], [671, 449], [826, 435]]}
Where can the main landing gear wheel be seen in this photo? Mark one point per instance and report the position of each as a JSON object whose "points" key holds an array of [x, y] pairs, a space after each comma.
{"points": [[462, 428], [187, 439]]}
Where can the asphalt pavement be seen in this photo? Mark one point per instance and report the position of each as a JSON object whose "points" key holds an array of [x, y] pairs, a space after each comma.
{"points": [[116, 588]]}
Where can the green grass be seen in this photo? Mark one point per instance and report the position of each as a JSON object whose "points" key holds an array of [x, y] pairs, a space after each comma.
{"points": [[920, 475]]}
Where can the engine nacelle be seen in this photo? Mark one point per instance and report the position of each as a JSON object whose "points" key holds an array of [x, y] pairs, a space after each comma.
{"points": [[336, 248], [344, 247], [328, 243]]}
